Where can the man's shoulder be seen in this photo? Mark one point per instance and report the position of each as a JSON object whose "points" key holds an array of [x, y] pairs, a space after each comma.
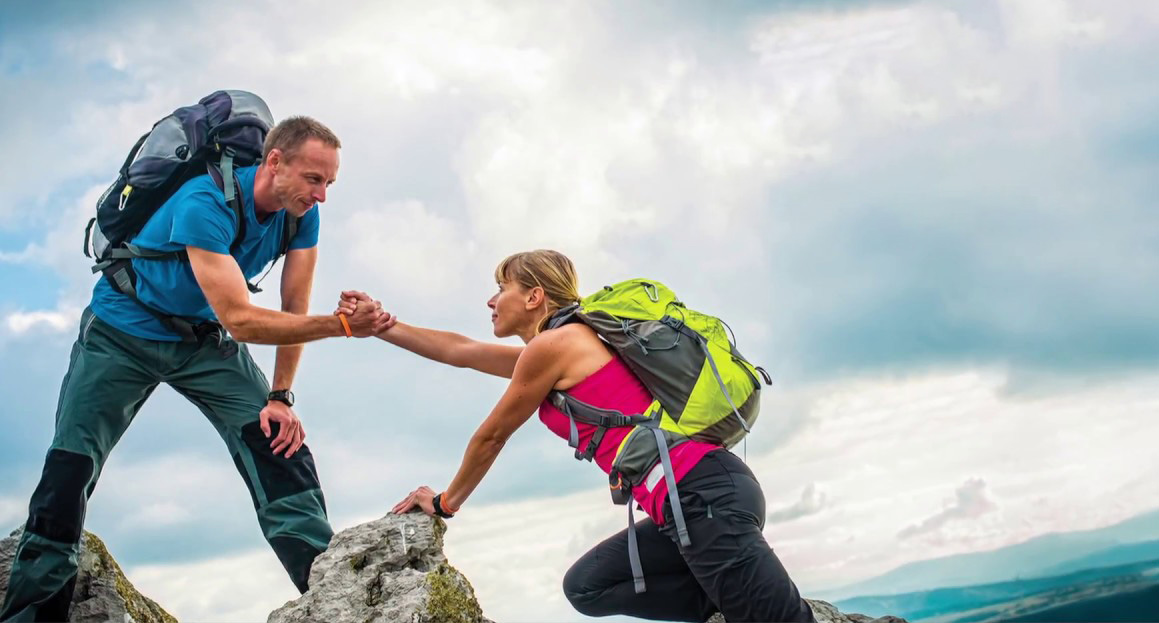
{"points": [[201, 189], [205, 186]]}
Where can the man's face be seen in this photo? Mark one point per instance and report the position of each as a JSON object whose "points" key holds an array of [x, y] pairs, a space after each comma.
{"points": [[301, 181]]}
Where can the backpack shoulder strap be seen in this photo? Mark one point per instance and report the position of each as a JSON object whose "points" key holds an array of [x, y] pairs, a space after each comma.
{"points": [[563, 316], [289, 230], [236, 202]]}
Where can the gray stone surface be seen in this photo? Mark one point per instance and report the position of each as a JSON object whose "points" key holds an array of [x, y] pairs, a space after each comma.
{"points": [[385, 571], [102, 594]]}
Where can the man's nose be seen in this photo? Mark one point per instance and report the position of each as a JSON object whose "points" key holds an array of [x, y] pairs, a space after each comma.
{"points": [[320, 195]]}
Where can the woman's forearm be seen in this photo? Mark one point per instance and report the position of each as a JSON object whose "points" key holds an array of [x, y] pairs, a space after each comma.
{"points": [[477, 460], [454, 349], [440, 346]]}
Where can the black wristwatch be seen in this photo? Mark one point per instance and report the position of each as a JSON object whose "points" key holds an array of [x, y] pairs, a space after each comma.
{"points": [[438, 503], [282, 395]]}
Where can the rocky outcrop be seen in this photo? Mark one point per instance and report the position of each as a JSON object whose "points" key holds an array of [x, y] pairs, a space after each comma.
{"points": [[390, 569], [102, 594], [826, 612], [387, 570]]}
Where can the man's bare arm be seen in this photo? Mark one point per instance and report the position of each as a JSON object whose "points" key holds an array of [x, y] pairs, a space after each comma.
{"points": [[225, 288], [297, 282]]}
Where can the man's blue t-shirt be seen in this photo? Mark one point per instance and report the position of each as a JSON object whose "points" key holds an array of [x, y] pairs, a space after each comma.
{"points": [[196, 216]]}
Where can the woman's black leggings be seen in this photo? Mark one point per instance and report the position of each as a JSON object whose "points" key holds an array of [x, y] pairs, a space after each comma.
{"points": [[728, 568]]}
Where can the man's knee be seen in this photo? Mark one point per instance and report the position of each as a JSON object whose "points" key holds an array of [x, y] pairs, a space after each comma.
{"points": [[57, 509], [276, 476]]}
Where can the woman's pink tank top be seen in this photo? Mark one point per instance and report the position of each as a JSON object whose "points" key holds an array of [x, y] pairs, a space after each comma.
{"points": [[615, 387]]}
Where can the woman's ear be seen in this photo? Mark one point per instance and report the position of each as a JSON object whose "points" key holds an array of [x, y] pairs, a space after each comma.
{"points": [[535, 297]]}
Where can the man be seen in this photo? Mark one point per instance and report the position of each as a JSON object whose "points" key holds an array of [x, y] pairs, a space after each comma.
{"points": [[124, 350]]}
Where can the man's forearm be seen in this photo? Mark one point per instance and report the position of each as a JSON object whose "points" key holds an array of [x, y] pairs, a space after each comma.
{"points": [[286, 365], [257, 325], [288, 355]]}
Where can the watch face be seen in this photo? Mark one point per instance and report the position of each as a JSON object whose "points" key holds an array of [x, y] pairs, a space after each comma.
{"points": [[283, 395]]}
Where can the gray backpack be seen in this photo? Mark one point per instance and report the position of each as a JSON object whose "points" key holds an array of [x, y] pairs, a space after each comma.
{"points": [[224, 130]]}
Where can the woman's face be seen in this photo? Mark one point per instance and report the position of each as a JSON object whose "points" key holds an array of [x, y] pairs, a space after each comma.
{"points": [[509, 310]]}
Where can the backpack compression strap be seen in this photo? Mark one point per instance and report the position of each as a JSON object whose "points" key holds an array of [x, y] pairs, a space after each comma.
{"points": [[579, 411], [120, 274]]}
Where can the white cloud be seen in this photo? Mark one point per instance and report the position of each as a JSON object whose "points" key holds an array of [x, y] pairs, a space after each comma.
{"points": [[158, 515], [972, 500], [812, 502], [886, 449], [56, 321], [407, 250], [246, 586], [12, 512]]}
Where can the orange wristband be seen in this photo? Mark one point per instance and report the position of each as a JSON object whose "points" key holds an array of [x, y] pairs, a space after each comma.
{"points": [[345, 325], [446, 506]]}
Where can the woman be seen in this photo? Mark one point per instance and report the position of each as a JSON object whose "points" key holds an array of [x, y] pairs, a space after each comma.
{"points": [[728, 566]]}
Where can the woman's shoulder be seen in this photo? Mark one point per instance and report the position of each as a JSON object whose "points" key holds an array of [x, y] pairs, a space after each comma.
{"points": [[567, 342], [576, 348], [571, 335]]}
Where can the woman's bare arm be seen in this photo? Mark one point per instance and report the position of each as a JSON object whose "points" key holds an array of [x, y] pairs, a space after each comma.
{"points": [[454, 349]]}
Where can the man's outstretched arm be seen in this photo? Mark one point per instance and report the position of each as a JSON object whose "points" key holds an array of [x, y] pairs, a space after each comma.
{"points": [[224, 286]]}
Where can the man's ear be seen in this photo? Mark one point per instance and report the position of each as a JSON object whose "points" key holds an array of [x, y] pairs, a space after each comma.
{"points": [[274, 158]]}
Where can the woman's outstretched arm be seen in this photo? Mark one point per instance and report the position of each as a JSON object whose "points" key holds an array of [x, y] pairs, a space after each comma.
{"points": [[538, 370], [443, 346], [454, 349]]}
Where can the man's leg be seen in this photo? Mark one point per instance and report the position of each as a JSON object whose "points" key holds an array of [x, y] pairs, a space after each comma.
{"points": [[106, 384], [600, 583], [287, 496]]}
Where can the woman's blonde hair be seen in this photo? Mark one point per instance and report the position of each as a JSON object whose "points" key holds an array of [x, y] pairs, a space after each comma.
{"points": [[543, 268]]}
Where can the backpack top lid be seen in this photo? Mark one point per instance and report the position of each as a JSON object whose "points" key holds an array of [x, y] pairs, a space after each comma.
{"points": [[234, 120], [225, 128]]}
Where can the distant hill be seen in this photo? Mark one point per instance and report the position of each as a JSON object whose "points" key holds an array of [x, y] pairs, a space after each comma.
{"points": [[1110, 557], [1103, 594], [1042, 556], [1141, 605]]}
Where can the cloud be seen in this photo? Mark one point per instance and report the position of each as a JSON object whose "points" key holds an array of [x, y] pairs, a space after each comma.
{"points": [[243, 586], [886, 446], [12, 513], [410, 251], [812, 502], [54, 321], [811, 152], [973, 500]]}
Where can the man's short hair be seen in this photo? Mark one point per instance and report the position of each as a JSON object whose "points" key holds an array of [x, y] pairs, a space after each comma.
{"points": [[291, 133]]}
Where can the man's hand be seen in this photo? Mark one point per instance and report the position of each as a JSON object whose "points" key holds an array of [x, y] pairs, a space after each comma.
{"points": [[291, 435], [422, 498], [350, 304]]}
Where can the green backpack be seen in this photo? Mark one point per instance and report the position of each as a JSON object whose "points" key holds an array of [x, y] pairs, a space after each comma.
{"points": [[703, 388]]}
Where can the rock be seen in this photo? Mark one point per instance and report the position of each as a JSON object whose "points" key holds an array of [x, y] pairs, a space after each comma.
{"points": [[102, 594], [387, 570], [826, 612]]}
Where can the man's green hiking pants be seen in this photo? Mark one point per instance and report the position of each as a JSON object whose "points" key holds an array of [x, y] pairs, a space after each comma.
{"points": [[110, 375]]}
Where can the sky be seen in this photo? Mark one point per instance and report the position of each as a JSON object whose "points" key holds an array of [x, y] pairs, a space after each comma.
{"points": [[932, 222]]}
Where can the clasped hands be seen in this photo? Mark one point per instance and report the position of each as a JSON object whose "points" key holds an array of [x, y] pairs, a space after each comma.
{"points": [[364, 314]]}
